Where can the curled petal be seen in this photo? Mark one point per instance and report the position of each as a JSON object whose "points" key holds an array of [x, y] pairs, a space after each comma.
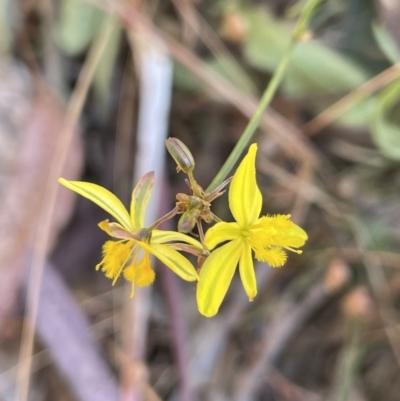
{"points": [[245, 198], [246, 269], [115, 230], [140, 199], [162, 237], [101, 197], [104, 226], [221, 232], [172, 259], [216, 275]]}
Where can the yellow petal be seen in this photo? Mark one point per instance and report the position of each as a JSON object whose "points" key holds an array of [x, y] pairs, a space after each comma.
{"points": [[162, 237], [297, 236], [274, 256], [279, 230], [104, 226], [172, 259], [221, 232], [145, 275], [216, 275], [101, 197], [115, 256], [129, 274], [245, 198], [140, 199], [246, 269]]}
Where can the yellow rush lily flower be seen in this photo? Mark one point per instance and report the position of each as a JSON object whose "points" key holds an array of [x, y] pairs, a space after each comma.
{"points": [[130, 253], [267, 236]]}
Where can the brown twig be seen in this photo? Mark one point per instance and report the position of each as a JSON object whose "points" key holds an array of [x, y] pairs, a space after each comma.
{"points": [[337, 109]]}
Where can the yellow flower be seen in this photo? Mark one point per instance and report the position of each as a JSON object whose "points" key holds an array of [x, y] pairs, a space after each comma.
{"points": [[130, 253], [267, 236]]}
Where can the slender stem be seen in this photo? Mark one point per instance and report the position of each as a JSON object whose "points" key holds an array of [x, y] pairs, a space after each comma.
{"points": [[193, 184], [186, 248], [255, 119], [167, 216], [267, 96], [201, 232], [215, 217]]}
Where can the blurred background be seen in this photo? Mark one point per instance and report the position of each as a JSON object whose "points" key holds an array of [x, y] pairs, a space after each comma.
{"points": [[90, 89]]}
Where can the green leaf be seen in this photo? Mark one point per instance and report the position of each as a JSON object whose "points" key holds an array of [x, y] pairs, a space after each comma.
{"points": [[101, 197], [79, 22], [386, 43], [314, 69], [359, 113], [186, 79], [104, 71], [140, 198], [266, 39], [385, 132]]}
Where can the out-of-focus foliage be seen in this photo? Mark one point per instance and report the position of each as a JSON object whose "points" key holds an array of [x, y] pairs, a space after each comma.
{"points": [[386, 132], [79, 22], [314, 69], [6, 8], [386, 43]]}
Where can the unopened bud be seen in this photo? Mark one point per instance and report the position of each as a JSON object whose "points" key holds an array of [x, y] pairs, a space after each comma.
{"points": [[181, 154], [187, 221]]}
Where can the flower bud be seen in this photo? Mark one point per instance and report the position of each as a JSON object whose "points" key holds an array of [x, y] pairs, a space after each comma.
{"points": [[181, 154], [187, 221]]}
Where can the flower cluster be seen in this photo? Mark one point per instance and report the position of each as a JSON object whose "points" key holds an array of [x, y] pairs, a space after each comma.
{"points": [[266, 237]]}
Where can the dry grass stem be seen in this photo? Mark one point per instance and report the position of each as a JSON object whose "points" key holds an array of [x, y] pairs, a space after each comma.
{"points": [[336, 110]]}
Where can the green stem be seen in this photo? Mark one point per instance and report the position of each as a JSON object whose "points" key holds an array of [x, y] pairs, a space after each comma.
{"points": [[193, 184], [166, 217], [267, 96]]}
